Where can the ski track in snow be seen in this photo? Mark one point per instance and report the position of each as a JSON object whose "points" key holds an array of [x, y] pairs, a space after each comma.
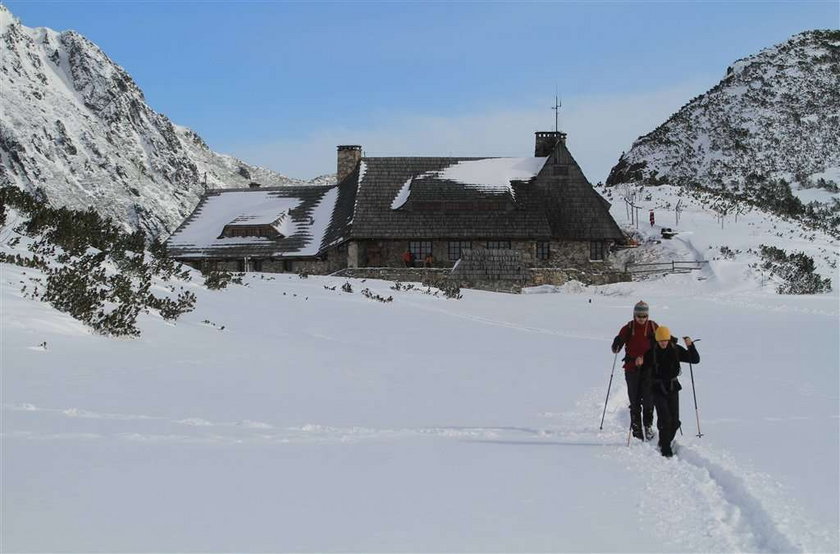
{"points": [[749, 517], [252, 431], [741, 511]]}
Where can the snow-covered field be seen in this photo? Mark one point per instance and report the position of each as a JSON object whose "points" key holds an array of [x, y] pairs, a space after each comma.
{"points": [[283, 416]]}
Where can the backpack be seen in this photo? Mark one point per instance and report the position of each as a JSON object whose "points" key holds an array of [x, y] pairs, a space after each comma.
{"points": [[671, 357]]}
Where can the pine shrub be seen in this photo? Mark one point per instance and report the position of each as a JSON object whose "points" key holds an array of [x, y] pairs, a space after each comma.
{"points": [[95, 271], [796, 271], [218, 280]]}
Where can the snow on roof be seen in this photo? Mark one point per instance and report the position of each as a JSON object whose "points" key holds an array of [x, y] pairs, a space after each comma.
{"points": [[320, 218], [285, 226], [264, 214], [238, 207], [359, 181], [402, 195], [491, 175]]}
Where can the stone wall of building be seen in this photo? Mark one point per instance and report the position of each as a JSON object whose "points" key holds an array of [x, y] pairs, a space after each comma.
{"points": [[556, 276], [509, 279], [507, 270], [400, 274], [334, 260], [311, 267], [562, 253], [388, 253], [502, 269], [534, 277]]}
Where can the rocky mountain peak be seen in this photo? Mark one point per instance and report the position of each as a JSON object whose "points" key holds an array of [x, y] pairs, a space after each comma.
{"points": [[76, 127], [774, 115]]}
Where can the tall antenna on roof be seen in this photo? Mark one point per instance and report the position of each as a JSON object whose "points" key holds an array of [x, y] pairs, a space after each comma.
{"points": [[556, 109]]}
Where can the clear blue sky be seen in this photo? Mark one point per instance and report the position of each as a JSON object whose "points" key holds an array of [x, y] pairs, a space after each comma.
{"points": [[281, 84]]}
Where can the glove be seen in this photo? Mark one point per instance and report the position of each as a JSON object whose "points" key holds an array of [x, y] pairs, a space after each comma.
{"points": [[616, 345]]}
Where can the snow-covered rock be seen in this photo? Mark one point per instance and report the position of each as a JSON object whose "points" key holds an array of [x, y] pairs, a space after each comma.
{"points": [[775, 115], [76, 126]]}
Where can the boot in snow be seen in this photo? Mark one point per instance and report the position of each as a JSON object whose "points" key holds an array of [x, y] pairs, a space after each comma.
{"points": [[649, 433]]}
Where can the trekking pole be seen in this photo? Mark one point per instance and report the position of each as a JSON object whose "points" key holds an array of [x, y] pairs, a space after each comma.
{"points": [[608, 392], [694, 392]]}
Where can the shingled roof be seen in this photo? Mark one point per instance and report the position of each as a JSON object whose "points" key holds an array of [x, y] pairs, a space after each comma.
{"points": [[486, 198], [574, 210], [309, 218]]}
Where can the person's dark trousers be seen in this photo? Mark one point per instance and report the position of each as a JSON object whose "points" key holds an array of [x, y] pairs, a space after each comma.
{"points": [[667, 416], [641, 404]]}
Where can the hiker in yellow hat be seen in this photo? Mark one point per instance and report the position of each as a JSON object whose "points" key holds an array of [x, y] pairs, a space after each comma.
{"points": [[664, 363]]}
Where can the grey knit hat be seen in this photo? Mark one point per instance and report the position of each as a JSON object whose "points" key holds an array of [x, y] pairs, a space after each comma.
{"points": [[641, 308]]}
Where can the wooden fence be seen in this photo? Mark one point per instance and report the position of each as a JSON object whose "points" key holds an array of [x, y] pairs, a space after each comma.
{"points": [[665, 267]]}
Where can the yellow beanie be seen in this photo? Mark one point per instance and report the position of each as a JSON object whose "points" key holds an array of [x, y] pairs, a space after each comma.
{"points": [[662, 333]]}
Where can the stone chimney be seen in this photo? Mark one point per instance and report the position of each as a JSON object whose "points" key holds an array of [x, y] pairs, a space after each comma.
{"points": [[349, 156], [546, 141]]}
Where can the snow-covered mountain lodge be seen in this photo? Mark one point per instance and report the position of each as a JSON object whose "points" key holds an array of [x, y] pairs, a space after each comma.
{"points": [[541, 210]]}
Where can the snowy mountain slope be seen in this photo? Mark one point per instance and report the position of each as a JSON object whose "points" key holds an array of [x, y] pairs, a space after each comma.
{"points": [[76, 126], [774, 115], [287, 415]]}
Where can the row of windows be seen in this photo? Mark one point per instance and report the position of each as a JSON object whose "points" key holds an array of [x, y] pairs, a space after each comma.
{"points": [[423, 248], [255, 264], [249, 231], [420, 249]]}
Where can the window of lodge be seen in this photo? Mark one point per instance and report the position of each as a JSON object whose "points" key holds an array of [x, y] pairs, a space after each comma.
{"points": [[597, 251], [457, 248], [543, 250], [420, 249]]}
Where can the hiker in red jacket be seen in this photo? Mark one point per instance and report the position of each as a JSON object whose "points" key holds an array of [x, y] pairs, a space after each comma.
{"points": [[636, 337], [408, 258]]}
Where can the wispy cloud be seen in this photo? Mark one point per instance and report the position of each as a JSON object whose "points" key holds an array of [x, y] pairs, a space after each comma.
{"points": [[599, 128]]}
